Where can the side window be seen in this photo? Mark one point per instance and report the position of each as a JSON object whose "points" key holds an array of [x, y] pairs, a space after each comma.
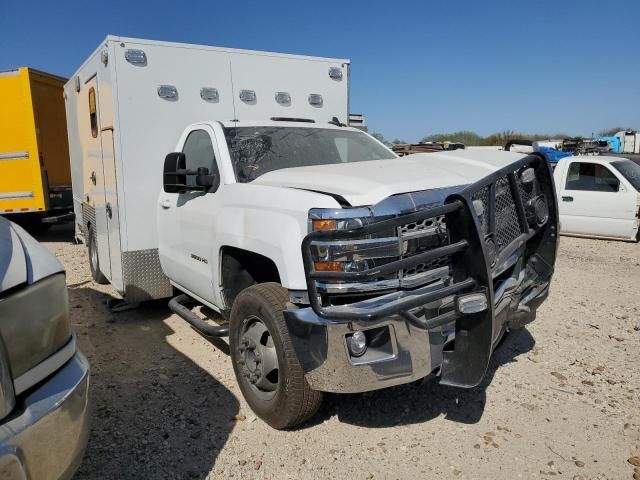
{"points": [[591, 177], [198, 151], [93, 113]]}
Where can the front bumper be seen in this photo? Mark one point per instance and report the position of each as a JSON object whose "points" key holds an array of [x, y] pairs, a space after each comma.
{"points": [[46, 436], [498, 246], [412, 353]]}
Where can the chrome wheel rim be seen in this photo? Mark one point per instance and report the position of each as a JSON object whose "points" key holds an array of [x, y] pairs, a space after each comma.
{"points": [[258, 358]]}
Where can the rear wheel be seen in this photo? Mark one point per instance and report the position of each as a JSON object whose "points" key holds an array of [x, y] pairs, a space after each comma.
{"points": [[265, 364], [94, 261]]}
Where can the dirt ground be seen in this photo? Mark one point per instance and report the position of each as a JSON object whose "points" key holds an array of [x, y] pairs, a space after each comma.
{"points": [[562, 402]]}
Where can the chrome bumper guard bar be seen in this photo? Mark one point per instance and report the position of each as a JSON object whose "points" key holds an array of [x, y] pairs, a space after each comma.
{"points": [[481, 246]]}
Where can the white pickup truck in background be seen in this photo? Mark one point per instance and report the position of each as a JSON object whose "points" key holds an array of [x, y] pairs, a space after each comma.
{"points": [[598, 196]]}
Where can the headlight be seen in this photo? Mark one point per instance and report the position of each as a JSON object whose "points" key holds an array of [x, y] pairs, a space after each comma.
{"points": [[353, 255], [328, 225], [35, 322]]}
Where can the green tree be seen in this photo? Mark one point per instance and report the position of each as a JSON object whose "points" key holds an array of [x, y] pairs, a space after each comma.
{"points": [[463, 136], [397, 141], [379, 137]]}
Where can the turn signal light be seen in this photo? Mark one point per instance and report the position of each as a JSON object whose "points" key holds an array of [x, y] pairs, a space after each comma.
{"points": [[328, 266], [324, 225]]}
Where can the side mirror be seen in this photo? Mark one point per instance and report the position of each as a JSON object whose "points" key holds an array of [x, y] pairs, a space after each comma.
{"points": [[175, 178]]}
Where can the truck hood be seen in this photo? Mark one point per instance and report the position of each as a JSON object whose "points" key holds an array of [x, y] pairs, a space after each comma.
{"points": [[367, 183], [22, 259]]}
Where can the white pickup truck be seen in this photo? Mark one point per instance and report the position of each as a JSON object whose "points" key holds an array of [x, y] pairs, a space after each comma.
{"points": [[339, 266], [598, 197], [343, 268]]}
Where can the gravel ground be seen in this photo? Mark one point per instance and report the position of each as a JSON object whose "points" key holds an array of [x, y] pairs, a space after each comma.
{"points": [[563, 401]]}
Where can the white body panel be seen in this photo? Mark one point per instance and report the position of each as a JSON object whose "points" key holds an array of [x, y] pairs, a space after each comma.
{"points": [[602, 214], [137, 127]]}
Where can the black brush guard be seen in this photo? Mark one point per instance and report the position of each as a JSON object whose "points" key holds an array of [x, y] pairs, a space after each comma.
{"points": [[475, 262]]}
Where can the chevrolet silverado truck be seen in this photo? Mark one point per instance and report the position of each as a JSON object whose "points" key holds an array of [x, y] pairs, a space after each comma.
{"points": [[341, 267], [44, 378]]}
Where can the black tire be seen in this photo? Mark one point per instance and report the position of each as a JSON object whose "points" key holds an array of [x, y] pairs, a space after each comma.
{"points": [[94, 261], [292, 401]]}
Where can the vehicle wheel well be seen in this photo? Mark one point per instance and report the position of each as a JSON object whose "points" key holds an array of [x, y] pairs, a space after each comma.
{"points": [[242, 268]]}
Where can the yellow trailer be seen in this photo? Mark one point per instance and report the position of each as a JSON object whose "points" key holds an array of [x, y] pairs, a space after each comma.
{"points": [[35, 173]]}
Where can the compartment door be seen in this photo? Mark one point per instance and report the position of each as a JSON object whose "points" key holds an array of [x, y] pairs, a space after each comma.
{"points": [[111, 206], [95, 172]]}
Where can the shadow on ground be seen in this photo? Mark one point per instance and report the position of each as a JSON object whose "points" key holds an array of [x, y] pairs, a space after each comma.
{"points": [[156, 414], [418, 403]]}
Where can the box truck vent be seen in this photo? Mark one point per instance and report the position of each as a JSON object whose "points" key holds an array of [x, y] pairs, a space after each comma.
{"points": [[283, 98], [335, 73], [135, 57], [168, 92], [248, 96], [209, 94], [315, 100]]}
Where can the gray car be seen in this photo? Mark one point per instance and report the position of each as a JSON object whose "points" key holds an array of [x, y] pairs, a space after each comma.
{"points": [[44, 378]]}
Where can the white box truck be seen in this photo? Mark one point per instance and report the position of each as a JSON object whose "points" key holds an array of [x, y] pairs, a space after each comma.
{"points": [[231, 177]]}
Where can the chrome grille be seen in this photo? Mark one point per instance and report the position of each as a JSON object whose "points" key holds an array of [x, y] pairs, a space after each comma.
{"points": [[420, 236], [435, 225]]}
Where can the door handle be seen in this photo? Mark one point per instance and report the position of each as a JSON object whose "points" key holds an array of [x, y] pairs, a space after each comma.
{"points": [[567, 199], [109, 211], [93, 177], [165, 204]]}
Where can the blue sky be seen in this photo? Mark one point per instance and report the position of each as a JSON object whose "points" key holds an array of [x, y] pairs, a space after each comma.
{"points": [[417, 67]]}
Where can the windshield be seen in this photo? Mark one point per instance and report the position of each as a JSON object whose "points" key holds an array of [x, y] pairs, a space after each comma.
{"points": [[630, 171], [257, 150]]}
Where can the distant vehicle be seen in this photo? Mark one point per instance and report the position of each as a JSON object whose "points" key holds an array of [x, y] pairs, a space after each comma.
{"points": [[44, 379], [402, 149], [613, 143], [598, 197], [550, 150], [35, 173]]}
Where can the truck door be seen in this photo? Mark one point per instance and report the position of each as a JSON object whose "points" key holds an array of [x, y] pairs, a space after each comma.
{"points": [[185, 221], [628, 142], [594, 201], [94, 170]]}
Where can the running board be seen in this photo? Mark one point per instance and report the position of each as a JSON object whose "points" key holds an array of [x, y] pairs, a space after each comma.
{"points": [[178, 306]]}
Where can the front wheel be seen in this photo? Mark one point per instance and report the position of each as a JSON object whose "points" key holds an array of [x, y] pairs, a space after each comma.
{"points": [[266, 366]]}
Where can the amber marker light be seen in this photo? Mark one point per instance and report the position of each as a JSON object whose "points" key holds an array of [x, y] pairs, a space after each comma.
{"points": [[324, 225], [328, 266]]}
